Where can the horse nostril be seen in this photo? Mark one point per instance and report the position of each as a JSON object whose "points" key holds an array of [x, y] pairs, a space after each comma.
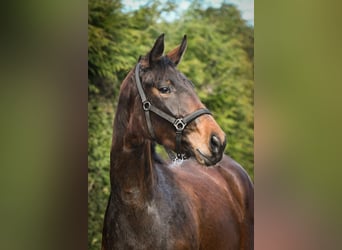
{"points": [[215, 144]]}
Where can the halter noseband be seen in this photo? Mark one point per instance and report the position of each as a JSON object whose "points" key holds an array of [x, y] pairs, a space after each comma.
{"points": [[179, 123]]}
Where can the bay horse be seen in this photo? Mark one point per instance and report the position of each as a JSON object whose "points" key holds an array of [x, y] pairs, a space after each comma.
{"points": [[202, 200]]}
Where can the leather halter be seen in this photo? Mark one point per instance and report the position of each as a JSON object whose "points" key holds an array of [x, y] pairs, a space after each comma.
{"points": [[179, 123]]}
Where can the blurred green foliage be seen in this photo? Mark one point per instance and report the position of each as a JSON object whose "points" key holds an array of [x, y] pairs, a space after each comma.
{"points": [[219, 60]]}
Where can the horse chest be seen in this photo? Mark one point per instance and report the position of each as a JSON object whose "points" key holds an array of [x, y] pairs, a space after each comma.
{"points": [[155, 227]]}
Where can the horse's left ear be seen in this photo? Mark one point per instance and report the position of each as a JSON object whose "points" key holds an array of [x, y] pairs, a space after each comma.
{"points": [[176, 54], [157, 51]]}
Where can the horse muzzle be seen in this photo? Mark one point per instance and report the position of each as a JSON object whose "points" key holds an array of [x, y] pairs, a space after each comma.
{"points": [[216, 148]]}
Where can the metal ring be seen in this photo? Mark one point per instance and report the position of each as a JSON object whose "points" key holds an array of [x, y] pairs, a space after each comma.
{"points": [[146, 105]]}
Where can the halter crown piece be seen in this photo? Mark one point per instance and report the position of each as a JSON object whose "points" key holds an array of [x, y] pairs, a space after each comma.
{"points": [[179, 123]]}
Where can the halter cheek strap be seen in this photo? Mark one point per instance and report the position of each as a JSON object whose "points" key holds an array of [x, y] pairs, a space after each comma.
{"points": [[179, 123]]}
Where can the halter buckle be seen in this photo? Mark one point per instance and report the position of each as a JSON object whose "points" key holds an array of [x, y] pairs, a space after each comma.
{"points": [[179, 124], [180, 157], [146, 105]]}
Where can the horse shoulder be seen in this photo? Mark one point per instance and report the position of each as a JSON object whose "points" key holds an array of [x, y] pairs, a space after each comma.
{"points": [[220, 202], [175, 210], [238, 181], [242, 189]]}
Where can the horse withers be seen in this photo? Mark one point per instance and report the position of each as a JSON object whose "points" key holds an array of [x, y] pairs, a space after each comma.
{"points": [[203, 200]]}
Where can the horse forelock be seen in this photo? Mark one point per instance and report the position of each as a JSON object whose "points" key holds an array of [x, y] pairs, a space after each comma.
{"points": [[160, 65]]}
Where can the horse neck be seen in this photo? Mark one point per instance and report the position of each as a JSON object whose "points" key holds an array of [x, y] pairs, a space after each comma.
{"points": [[131, 170]]}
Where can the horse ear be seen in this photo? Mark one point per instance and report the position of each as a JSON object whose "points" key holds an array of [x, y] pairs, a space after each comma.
{"points": [[157, 51], [176, 54]]}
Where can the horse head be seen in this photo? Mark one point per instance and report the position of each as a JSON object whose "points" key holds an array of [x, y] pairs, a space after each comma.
{"points": [[167, 110]]}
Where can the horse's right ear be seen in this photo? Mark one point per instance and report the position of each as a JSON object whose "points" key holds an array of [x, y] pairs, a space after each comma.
{"points": [[157, 51], [176, 54]]}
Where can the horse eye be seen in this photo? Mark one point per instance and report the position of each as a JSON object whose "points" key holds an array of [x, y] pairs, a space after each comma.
{"points": [[164, 90]]}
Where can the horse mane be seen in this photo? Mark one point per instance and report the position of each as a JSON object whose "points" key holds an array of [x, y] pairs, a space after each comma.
{"points": [[122, 115]]}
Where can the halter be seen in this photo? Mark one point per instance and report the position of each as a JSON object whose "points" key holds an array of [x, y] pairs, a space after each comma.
{"points": [[179, 123]]}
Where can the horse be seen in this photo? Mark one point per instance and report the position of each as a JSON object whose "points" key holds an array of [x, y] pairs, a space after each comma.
{"points": [[201, 200]]}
